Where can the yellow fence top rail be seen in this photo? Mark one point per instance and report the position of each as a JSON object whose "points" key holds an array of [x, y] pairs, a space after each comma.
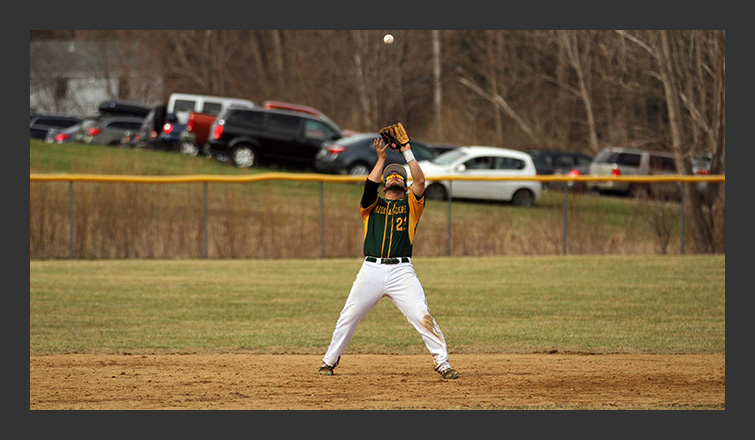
{"points": [[313, 177]]}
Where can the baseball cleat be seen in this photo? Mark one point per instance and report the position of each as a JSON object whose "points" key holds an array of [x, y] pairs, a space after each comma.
{"points": [[327, 370], [449, 373]]}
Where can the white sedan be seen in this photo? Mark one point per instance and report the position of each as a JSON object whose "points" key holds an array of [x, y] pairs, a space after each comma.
{"points": [[480, 161]]}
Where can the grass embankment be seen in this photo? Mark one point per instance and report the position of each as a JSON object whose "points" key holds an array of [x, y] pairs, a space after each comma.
{"points": [[282, 219]]}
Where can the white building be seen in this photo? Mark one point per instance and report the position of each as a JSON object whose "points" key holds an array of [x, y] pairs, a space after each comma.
{"points": [[74, 77]]}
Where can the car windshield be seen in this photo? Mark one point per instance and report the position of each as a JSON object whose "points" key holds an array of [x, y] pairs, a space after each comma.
{"points": [[606, 157], [332, 123], [448, 157], [700, 161]]}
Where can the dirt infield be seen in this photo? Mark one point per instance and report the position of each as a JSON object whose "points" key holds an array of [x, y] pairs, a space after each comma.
{"points": [[367, 381]]}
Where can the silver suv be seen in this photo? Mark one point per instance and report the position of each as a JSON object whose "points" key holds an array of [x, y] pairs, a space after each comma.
{"points": [[110, 131], [618, 161]]}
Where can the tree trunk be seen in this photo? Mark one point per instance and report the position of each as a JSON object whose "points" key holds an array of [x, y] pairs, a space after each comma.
{"points": [[703, 221], [437, 84], [277, 63], [493, 84], [571, 43], [363, 91]]}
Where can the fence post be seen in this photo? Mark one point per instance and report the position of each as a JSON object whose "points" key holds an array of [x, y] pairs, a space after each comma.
{"points": [[566, 210], [682, 208], [70, 220], [448, 234], [322, 220], [206, 216]]}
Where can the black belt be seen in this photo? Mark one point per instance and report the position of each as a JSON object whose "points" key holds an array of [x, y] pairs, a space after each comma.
{"points": [[388, 260]]}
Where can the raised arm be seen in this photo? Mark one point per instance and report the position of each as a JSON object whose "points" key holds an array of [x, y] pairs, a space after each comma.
{"points": [[376, 175], [418, 176]]}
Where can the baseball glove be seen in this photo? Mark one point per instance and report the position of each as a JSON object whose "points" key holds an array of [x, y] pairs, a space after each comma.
{"points": [[395, 134]]}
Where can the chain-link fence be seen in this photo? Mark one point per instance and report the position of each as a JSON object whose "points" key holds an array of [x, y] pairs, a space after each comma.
{"points": [[283, 216]]}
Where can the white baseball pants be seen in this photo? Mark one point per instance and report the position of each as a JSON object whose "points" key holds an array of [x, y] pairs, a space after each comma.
{"points": [[399, 282]]}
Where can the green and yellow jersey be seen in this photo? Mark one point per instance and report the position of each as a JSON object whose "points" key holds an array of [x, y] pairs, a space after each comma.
{"points": [[389, 225]]}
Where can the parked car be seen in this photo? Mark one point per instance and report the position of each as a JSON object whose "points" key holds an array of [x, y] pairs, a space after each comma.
{"points": [[441, 148], [483, 161], [355, 155], [701, 164], [110, 131], [74, 133], [556, 162], [249, 136], [158, 131], [197, 132], [106, 109], [40, 124], [305, 109], [620, 161]]}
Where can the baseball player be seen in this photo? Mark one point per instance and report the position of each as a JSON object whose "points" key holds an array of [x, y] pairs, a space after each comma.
{"points": [[389, 231]]}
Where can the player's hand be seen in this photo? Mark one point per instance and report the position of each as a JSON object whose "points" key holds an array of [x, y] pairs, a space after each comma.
{"points": [[380, 148]]}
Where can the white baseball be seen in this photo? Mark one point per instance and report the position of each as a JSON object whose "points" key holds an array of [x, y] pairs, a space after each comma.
{"points": [[388, 39]]}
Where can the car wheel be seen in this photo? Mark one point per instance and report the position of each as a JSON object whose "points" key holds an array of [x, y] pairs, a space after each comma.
{"points": [[359, 169], [523, 198], [436, 191], [243, 156], [189, 149]]}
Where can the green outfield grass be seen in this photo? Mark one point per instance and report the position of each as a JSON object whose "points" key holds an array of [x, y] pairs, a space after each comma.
{"points": [[99, 159], [601, 304]]}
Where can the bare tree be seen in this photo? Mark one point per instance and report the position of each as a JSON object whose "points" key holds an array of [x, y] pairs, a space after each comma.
{"points": [[576, 45], [366, 80], [691, 68], [438, 92], [493, 83]]}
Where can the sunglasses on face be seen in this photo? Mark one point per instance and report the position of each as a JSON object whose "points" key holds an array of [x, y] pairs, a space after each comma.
{"points": [[394, 175]]}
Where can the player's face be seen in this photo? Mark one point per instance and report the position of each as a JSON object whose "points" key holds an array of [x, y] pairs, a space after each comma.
{"points": [[394, 181]]}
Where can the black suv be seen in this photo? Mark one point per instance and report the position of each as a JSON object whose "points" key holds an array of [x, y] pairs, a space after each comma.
{"points": [[249, 136]]}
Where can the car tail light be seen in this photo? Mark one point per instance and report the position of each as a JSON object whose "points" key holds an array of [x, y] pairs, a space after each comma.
{"points": [[190, 124], [702, 171], [167, 128], [574, 173], [616, 171], [218, 131], [62, 136], [152, 134], [94, 131], [335, 149]]}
